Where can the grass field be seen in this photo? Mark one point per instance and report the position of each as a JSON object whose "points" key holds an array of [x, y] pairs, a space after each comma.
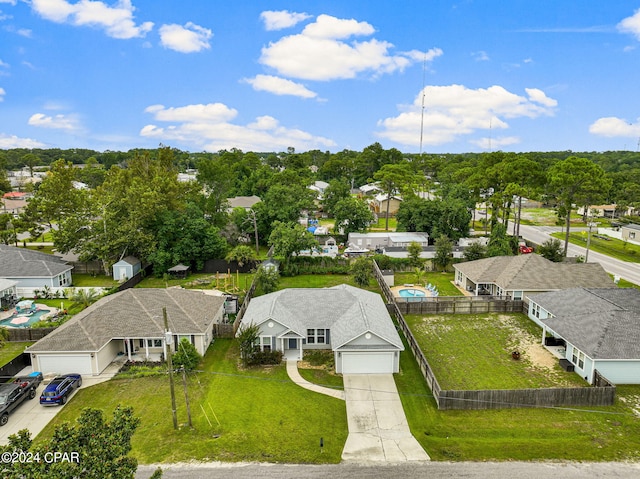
{"points": [[443, 281], [474, 352], [611, 247], [85, 280], [11, 350], [238, 415]]}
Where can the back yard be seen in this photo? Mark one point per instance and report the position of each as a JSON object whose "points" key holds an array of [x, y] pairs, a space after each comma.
{"points": [[474, 352]]}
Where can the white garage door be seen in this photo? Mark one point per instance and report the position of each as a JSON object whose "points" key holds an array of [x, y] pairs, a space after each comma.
{"points": [[367, 363], [62, 364]]}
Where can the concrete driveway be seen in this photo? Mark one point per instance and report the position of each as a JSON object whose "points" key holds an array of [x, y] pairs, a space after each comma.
{"points": [[378, 428], [33, 416]]}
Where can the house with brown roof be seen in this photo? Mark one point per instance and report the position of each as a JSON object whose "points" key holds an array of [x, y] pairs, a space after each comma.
{"points": [[599, 327], [128, 324], [517, 277]]}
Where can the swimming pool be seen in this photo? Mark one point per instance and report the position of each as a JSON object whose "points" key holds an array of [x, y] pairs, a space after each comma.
{"points": [[411, 293], [23, 321]]}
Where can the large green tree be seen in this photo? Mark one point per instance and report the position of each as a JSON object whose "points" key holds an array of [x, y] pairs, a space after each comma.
{"points": [[576, 181], [395, 178], [290, 238], [352, 215]]}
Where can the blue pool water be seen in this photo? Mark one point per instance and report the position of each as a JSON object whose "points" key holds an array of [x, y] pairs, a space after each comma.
{"points": [[411, 293], [32, 319]]}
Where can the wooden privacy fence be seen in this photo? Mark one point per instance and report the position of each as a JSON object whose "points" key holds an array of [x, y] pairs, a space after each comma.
{"points": [[13, 367], [28, 334], [459, 305], [602, 394]]}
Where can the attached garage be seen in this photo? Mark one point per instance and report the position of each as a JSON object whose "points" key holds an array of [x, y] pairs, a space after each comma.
{"points": [[63, 363], [367, 362]]}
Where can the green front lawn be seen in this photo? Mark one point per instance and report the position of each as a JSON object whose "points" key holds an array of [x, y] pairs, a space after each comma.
{"points": [[238, 415], [613, 247], [528, 434], [12, 349], [474, 352]]}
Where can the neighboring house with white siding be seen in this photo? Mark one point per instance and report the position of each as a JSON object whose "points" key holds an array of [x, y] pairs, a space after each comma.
{"points": [[352, 322], [33, 270], [600, 328], [128, 323]]}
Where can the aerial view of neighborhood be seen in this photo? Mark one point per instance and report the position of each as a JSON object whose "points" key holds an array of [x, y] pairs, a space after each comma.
{"points": [[299, 242]]}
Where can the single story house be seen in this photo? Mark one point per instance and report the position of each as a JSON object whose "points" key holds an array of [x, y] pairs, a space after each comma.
{"points": [[33, 270], [519, 276], [245, 202], [599, 326], [369, 189], [126, 268], [351, 322], [128, 323], [388, 239]]}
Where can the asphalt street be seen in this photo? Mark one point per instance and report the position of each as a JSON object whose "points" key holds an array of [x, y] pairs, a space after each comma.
{"points": [[431, 470], [628, 271]]}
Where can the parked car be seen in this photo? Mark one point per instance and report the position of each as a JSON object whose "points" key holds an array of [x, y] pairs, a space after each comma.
{"points": [[60, 388], [14, 393]]}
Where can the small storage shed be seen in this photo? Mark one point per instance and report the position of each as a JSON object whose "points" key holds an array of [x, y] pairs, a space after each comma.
{"points": [[126, 268]]}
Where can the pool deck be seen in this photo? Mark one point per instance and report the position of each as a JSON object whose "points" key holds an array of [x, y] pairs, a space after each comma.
{"points": [[396, 289], [39, 306]]}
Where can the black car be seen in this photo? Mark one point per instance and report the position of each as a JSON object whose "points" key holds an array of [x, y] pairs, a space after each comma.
{"points": [[60, 388], [14, 393]]}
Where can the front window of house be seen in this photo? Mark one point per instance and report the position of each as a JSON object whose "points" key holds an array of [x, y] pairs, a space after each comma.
{"points": [[517, 295], [154, 343], [536, 310], [317, 336], [265, 343]]}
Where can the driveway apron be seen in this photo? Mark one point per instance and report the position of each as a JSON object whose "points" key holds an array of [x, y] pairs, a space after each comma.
{"points": [[378, 428]]}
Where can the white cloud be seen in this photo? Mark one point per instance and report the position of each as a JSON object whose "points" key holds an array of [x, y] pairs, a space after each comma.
{"points": [[2, 94], [24, 32], [480, 56], [279, 86], [495, 143], [321, 52], [4, 64], [58, 122], [631, 25], [282, 19], [117, 20], [12, 141], [10, 2], [615, 127], [210, 127], [188, 39], [454, 111]]}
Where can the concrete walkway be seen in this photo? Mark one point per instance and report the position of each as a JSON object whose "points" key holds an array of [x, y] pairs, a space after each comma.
{"points": [[378, 428], [292, 371]]}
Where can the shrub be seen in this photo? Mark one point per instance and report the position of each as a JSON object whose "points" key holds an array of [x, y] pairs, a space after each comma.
{"points": [[186, 355], [261, 358]]}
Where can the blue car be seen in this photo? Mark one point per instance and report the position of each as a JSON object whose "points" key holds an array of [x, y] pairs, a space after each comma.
{"points": [[60, 388]]}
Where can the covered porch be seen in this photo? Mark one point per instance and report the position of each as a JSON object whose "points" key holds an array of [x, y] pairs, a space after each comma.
{"points": [[291, 346]]}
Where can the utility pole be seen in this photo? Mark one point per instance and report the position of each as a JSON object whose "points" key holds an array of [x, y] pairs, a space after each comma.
{"points": [[186, 396], [167, 352], [252, 215]]}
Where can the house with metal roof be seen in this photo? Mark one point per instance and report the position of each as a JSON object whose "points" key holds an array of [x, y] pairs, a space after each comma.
{"points": [[600, 328], [130, 324], [33, 270], [517, 277], [351, 322]]}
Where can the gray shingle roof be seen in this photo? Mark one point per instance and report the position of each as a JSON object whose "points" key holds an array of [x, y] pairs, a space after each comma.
{"points": [[347, 311], [133, 313], [604, 323], [530, 272], [26, 263]]}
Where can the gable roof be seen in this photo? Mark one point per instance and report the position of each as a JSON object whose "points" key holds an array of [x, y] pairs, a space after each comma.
{"points": [[530, 272], [604, 323], [133, 313], [243, 201], [25, 263], [345, 310]]}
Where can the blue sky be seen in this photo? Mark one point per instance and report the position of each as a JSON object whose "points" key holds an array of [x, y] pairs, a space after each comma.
{"points": [[417, 75]]}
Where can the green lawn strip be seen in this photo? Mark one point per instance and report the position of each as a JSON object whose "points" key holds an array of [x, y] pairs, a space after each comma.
{"points": [[252, 415], [380, 225], [62, 303], [623, 283], [322, 377], [222, 281], [322, 281], [86, 280], [528, 434], [12, 349], [474, 352], [613, 247], [443, 281]]}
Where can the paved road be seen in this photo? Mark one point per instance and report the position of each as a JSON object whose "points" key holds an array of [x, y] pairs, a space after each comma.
{"points": [[432, 470], [628, 271]]}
